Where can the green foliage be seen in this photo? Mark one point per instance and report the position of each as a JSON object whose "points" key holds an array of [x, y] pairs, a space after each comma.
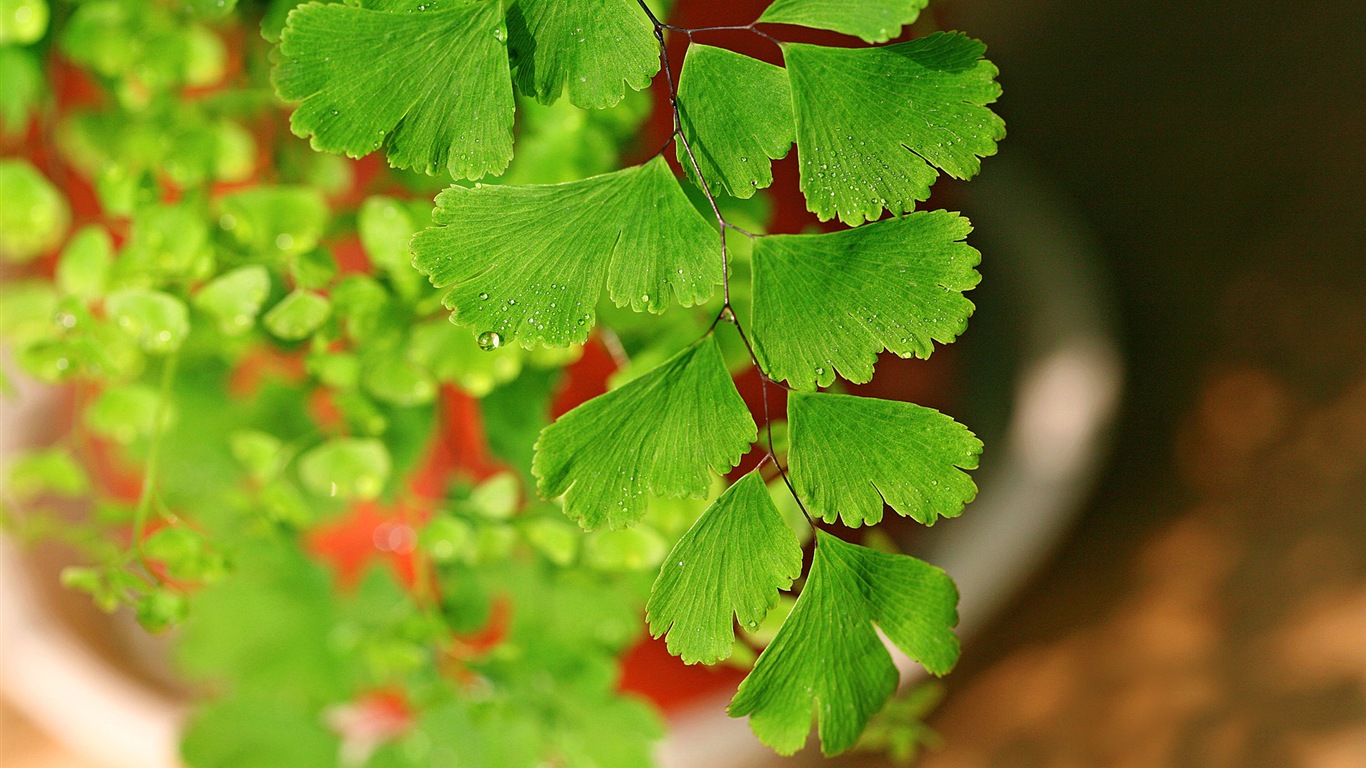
{"points": [[851, 454], [894, 285], [876, 21], [591, 49], [737, 115], [659, 434], [731, 563], [827, 654], [277, 344], [495, 247], [35, 215], [428, 82], [874, 123]]}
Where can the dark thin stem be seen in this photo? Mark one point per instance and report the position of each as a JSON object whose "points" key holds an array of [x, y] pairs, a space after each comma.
{"points": [[731, 27], [727, 312]]}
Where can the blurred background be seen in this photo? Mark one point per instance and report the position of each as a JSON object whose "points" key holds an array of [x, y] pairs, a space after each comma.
{"points": [[1209, 607]]}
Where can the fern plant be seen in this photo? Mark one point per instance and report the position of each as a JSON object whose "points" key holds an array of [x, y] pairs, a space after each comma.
{"points": [[501, 649]]}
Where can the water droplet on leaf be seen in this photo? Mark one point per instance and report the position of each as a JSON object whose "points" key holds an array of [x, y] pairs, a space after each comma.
{"points": [[489, 341]]}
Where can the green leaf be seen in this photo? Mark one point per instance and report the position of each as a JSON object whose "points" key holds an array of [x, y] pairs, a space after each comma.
{"points": [[22, 21], [737, 116], [158, 321], [659, 433], [235, 298], [298, 315], [850, 454], [392, 379], [34, 216], [728, 567], [432, 86], [830, 303], [83, 269], [125, 414], [827, 654], [23, 91], [875, 21], [52, 470], [275, 221], [186, 553], [259, 729], [595, 48], [346, 467], [529, 263], [385, 227], [872, 121]]}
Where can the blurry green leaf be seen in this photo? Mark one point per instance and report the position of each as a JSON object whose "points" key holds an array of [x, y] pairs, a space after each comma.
{"points": [[529, 263], [497, 497], [268, 221], [385, 227], [829, 303], [875, 21], [210, 9], [83, 269], [34, 216], [432, 87], [185, 553], [363, 306], [161, 609], [258, 452], [728, 567], [47, 471], [22, 21], [168, 243], [514, 415], [158, 321], [235, 298], [125, 413], [26, 310], [737, 115], [596, 49], [392, 379], [346, 467], [827, 655], [555, 538], [24, 88], [259, 729], [899, 730], [874, 123], [448, 539], [660, 433], [632, 549], [313, 269], [206, 57], [235, 155], [297, 315]]}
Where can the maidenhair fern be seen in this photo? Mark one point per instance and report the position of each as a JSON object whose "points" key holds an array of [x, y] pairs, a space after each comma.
{"points": [[873, 127], [204, 276]]}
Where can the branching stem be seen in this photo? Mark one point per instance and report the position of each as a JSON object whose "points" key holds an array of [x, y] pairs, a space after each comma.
{"points": [[727, 312]]}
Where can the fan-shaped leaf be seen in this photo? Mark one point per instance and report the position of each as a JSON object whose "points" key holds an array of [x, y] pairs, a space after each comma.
{"points": [[529, 262], [830, 303], [737, 115], [729, 566], [871, 122], [596, 49], [430, 83], [827, 655], [849, 454], [658, 433]]}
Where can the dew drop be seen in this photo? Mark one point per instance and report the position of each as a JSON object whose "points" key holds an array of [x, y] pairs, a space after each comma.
{"points": [[489, 341]]}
